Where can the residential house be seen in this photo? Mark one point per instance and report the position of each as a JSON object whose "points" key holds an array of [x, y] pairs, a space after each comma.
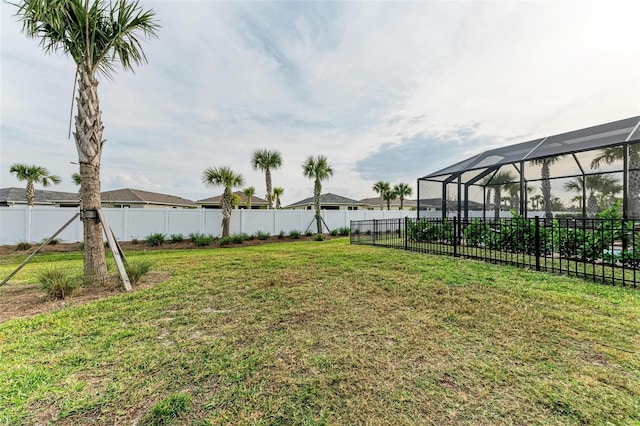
{"points": [[374, 204], [10, 197], [135, 198], [329, 201], [240, 202]]}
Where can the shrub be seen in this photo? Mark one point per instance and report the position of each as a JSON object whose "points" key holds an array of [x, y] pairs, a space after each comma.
{"points": [[308, 233], [155, 240], [202, 240], [281, 235], [344, 231], [319, 237], [262, 235], [58, 283], [53, 241], [225, 241], [334, 233], [294, 234], [21, 246], [176, 238], [135, 241], [239, 238], [137, 269]]}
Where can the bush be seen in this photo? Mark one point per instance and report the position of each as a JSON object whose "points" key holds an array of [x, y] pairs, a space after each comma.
{"points": [[58, 283], [225, 241], [22, 246], [308, 233], [239, 238], [135, 241], [176, 238], [202, 240], [155, 240], [262, 235], [344, 231], [319, 237], [137, 269], [53, 241], [281, 235], [334, 233], [294, 234]]}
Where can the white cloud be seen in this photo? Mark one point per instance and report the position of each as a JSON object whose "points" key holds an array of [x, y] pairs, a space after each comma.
{"points": [[354, 81]]}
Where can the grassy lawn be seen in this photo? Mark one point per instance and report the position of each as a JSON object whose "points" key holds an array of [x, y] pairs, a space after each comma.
{"points": [[326, 333]]}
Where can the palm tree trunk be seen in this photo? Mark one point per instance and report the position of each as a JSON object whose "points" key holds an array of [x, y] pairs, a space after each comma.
{"points": [[317, 188], [267, 177], [31, 193], [401, 202], [227, 206], [88, 137], [382, 200], [497, 200], [592, 206]]}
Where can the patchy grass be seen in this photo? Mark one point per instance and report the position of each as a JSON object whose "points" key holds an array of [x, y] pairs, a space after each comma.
{"points": [[314, 333]]}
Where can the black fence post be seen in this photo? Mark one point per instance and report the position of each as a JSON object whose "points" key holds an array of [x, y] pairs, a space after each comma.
{"points": [[406, 237], [537, 237], [455, 236], [375, 231]]}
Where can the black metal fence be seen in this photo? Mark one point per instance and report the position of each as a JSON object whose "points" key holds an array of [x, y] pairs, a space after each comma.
{"points": [[603, 250]]}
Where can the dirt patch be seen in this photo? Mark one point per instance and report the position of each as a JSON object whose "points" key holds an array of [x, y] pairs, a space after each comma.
{"points": [[25, 300]]}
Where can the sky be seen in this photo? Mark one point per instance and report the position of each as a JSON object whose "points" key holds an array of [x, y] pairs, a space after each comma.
{"points": [[385, 90]]}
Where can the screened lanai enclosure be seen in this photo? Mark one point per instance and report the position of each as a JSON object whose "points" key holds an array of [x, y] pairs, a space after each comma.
{"points": [[575, 174], [567, 203]]}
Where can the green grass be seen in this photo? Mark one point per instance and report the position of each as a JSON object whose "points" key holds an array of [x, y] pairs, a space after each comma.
{"points": [[326, 333]]}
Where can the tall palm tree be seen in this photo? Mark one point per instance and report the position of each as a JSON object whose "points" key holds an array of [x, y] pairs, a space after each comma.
{"points": [[33, 174], [227, 178], [381, 187], [318, 169], [277, 193], [545, 184], [266, 160], [389, 195], [613, 154], [99, 35], [403, 190], [249, 192], [594, 185]]}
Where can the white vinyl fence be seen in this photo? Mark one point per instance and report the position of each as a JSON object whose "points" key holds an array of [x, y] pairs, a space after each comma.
{"points": [[34, 224]]}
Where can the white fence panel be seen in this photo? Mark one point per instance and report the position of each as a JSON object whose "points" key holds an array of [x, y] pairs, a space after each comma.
{"points": [[21, 223]]}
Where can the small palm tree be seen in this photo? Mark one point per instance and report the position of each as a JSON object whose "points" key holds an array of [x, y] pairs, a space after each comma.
{"points": [[225, 177], [381, 187], [594, 185], [249, 192], [545, 184], [389, 195], [615, 153], [99, 36], [318, 169], [403, 190], [33, 174], [277, 193], [266, 160], [498, 182]]}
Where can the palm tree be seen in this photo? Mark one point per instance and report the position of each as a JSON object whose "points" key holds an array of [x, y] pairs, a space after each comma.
{"points": [[249, 192], [33, 174], [389, 195], [98, 35], [266, 161], [76, 178], [498, 182], [594, 184], [277, 193], [535, 201], [318, 169], [545, 185], [403, 190], [614, 153], [223, 176], [381, 187]]}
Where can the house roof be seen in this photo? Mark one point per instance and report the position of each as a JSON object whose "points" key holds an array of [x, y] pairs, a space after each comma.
{"points": [[328, 198], [128, 195], [19, 195], [256, 201]]}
